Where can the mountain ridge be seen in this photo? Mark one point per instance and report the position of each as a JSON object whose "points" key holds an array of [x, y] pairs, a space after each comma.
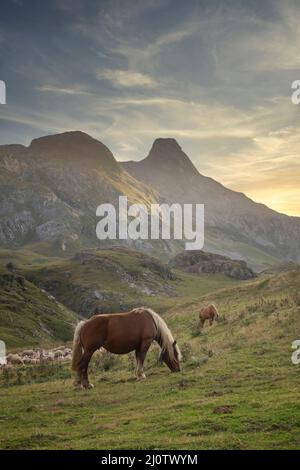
{"points": [[235, 216], [49, 192]]}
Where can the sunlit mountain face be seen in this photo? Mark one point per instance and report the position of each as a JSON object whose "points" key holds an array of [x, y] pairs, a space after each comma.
{"points": [[50, 191], [215, 75]]}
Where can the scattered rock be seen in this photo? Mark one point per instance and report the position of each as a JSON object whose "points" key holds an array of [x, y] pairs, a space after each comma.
{"points": [[183, 384], [198, 261], [227, 409]]}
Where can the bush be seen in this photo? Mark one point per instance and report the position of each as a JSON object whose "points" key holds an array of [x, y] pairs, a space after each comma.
{"points": [[43, 372], [103, 361], [186, 351], [131, 361], [10, 266], [198, 361], [196, 329]]}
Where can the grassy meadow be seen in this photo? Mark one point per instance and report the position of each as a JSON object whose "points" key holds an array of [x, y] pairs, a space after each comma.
{"points": [[238, 388]]}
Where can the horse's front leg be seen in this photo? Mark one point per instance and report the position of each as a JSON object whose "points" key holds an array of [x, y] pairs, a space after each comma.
{"points": [[140, 355], [83, 369], [77, 380]]}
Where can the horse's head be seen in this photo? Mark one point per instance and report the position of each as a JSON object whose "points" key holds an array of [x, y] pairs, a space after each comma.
{"points": [[171, 357]]}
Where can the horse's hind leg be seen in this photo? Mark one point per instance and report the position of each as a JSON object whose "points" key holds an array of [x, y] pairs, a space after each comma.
{"points": [[83, 369], [140, 355], [140, 358]]}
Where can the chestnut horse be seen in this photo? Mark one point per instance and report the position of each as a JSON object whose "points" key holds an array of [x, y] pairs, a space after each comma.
{"points": [[121, 333], [209, 313]]}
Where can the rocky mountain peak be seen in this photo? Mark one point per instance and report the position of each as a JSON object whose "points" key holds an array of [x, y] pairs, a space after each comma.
{"points": [[167, 152], [73, 147], [166, 144]]}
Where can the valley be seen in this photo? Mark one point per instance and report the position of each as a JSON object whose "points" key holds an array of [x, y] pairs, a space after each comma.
{"points": [[94, 281]]}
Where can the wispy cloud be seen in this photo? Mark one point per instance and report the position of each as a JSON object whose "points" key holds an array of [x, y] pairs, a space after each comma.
{"points": [[126, 78], [217, 77], [62, 91]]}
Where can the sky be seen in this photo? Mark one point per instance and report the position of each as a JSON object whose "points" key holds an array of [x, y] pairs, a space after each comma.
{"points": [[214, 75]]}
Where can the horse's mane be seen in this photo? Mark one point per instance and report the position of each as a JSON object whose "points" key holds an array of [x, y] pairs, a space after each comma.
{"points": [[164, 336], [215, 309]]}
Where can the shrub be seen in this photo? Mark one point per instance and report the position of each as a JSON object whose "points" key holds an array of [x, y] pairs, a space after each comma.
{"points": [[196, 329], [10, 266], [197, 361], [131, 362], [103, 361], [186, 351]]}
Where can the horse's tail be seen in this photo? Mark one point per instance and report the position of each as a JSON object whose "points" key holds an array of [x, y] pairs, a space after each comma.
{"points": [[77, 346], [164, 335]]}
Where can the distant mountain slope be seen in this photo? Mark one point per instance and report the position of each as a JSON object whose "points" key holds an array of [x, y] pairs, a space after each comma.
{"points": [[29, 316], [50, 190], [234, 223]]}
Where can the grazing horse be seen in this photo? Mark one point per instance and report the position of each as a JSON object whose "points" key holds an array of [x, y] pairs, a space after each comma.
{"points": [[121, 333], [209, 313]]}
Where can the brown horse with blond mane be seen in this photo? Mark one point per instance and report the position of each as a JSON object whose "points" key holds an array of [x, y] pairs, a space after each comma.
{"points": [[121, 333], [209, 313]]}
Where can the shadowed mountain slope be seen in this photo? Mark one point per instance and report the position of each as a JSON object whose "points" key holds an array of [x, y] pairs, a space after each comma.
{"points": [[235, 225], [50, 190]]}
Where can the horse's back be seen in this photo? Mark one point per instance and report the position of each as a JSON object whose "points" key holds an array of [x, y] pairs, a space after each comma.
{"points": [[119, 332], [208, 312]]}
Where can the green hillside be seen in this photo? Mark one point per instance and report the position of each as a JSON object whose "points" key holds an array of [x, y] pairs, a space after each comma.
{"points": [[29, 316], [119, 279], [112, 280], [236, 246]]}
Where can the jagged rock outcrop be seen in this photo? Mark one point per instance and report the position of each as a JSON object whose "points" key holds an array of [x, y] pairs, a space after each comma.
{"points": [[105, 281], [197, 262]]}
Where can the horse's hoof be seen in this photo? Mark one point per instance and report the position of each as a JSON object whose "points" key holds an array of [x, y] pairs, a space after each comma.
{"points": [[141, 377], [78, 387], [77, 384], [88, 386]]}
